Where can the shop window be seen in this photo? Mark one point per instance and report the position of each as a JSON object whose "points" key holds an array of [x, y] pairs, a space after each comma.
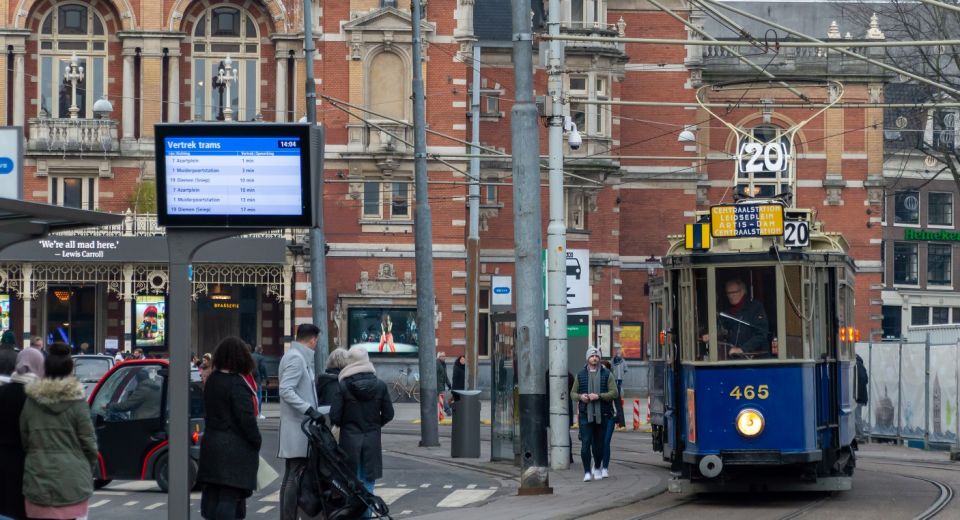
{"points": [[940, 209], [383, 330], [905, 263], [68, 31], [919, 315], [939, 264], [73, 192], [906, 208]]}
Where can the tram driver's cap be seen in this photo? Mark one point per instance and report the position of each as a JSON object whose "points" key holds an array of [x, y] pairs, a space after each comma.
{"points": [[593, 351]]}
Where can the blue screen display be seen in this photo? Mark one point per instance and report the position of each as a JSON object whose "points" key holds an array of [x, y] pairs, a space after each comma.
{"points": [[254, 176]]}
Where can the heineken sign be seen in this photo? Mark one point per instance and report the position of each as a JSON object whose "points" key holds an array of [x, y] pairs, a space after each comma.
{"points": [[940, 235]]}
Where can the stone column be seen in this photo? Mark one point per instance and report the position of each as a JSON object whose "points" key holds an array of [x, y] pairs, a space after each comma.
{"points": [[128, 95], [280, 115], [27, 300], [19, 86], [173, 87]]}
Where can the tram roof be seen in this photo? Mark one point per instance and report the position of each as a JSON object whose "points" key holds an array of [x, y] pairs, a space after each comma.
{"points": [[21, 220]]}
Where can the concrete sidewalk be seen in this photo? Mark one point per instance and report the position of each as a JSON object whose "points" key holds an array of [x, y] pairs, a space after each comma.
{"points": [[632, 477]]}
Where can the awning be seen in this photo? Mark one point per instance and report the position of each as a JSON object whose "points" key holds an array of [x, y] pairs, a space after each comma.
{"points": [[20, 220]]}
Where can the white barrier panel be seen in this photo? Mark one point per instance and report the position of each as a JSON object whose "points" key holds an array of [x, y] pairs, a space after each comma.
{"points": [[884, 370], [942, 388], [912, 399]]}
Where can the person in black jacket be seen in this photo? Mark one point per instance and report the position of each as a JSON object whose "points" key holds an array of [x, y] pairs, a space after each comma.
{"points": [[861, 397], [8, 353], [28, 367], [230, 452], [459, 376], [328, 383], [361, 409], [259, 377]]}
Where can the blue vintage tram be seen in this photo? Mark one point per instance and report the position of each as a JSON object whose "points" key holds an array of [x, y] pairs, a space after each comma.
{"points": [[752, 375]]}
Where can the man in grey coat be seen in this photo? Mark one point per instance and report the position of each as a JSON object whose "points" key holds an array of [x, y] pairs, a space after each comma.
{"points": [[298, 399]]}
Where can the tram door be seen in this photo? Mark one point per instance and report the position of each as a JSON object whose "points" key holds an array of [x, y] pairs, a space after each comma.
{"points": [[825, 349]]}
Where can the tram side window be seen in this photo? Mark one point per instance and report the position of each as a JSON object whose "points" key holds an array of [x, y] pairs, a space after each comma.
{"points": [[793, 313], [701, 293], [746, 313]]}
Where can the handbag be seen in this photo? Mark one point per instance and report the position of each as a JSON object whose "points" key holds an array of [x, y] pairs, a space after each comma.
{"points": [[265, 474]]}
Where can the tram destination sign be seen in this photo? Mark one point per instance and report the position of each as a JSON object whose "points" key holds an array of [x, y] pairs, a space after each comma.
{"points": [[233, 175], [746, 220]]}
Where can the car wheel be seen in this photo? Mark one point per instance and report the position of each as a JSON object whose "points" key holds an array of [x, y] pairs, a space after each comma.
{"points": [[161, 473], [98, 483]]}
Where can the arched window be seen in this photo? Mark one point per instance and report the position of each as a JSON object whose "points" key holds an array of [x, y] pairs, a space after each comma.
{"points": [[68, 30], [223, 32]]}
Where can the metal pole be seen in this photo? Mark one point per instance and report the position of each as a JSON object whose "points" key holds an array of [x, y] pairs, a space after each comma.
{"points": [[926, 392], [429, 436], [473, 235], [525, 145], [557, 256], [318, 267]]}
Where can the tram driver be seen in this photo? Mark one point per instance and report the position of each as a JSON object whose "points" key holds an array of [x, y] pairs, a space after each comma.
{"points": [[742, 325]]}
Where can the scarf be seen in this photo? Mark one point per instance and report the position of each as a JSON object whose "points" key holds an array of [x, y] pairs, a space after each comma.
{"points": [[593, 387]]}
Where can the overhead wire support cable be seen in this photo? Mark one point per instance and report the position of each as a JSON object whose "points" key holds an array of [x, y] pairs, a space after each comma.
{"points": [[741, 57], [814, 43]]}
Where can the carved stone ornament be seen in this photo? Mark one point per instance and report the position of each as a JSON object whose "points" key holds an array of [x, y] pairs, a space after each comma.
{"points": [[386, 283], [386, 272]]}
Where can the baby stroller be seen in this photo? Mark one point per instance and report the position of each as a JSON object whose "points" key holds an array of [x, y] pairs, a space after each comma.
{"points": [[328, 485]]}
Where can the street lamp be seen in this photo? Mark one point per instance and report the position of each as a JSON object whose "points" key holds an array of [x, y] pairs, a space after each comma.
{"points": [[73, 74], [225, 76]]}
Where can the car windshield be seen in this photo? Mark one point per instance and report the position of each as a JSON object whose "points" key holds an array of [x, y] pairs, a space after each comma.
{"points": [[90, 370]]}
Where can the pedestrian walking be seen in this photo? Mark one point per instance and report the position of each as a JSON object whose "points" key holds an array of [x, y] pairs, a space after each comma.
{"points": [[861, 397], [443, 382], [27, 368], [298, 398], [609, 425], [260, 377], [594, 391], [459, 375], [8, 353], [230, 452], [58, 437], [619, 369], [361, 409]]}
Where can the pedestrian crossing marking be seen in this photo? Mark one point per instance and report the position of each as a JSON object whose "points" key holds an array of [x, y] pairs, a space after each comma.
{"points": [[151, 507], [448, 486], [131, 503], [425, 485], [98, 503], [272, 497], [264, 509], [111, 493], [462, 497], [472, 486], [134, 485], [391, 495]]}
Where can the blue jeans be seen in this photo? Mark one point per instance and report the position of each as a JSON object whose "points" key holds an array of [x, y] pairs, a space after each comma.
{"points": [[607, 437], [591, 442], [367, 484]]}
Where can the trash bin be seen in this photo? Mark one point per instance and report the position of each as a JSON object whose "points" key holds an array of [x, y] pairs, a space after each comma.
{"points": [[466, 425]]}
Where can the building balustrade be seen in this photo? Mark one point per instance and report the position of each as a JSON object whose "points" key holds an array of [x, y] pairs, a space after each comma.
{"points": [[145, 225], [380, 136], [72, 136]]}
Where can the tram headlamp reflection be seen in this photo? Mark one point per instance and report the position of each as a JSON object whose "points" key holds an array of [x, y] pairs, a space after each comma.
{"points": [[750, 422]]}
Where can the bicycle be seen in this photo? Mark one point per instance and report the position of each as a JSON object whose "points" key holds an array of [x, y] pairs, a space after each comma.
{"points": [[402, 387]]}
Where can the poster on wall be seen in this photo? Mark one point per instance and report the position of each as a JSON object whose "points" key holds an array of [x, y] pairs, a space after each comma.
{"points": [[631, 340], [4, 312], [884, 371], [149, 320], [383, 330], [912, 398], [942, 414]]}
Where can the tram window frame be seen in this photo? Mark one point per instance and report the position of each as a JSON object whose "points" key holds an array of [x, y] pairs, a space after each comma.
{"points": [[846, 310]]}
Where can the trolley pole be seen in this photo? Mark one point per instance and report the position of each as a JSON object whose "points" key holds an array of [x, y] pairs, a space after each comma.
{"points": [[557, 255], [429, 436], [318, 267], [525, 146]]}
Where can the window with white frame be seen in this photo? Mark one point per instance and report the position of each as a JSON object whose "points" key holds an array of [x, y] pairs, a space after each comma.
{"points": [[578, 111], [490, 194], [225, 32], [591, 119], [602, 113], [372, 206], [73, 191], [400, 201], [587, 14], [939, 264], [940, 209], [489, 103], [68, 30], [575, 203], [906, 207]]}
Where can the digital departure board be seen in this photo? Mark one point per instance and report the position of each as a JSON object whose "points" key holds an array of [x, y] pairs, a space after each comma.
{"points": [[233, 175]]}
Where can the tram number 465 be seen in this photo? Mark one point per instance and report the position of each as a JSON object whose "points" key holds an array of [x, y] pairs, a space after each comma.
{"points": [[796, 233], [749, 392]]}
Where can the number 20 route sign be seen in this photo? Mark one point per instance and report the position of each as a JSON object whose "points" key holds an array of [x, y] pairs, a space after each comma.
{"points": [[759, 157]]}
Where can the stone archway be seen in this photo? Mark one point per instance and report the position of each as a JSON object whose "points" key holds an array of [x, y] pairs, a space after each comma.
{"points": [[278, 13], [128, 21]]}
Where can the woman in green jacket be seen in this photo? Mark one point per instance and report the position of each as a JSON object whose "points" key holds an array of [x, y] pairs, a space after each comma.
{"points": [[59, 441]]}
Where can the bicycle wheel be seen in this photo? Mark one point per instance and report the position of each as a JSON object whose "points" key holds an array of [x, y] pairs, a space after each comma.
{"points": [[394, 392], [416, 392]]}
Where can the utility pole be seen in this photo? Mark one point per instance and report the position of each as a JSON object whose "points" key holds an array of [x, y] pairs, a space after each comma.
{"points": [[318, 261], [557, 255], [525, 146], [423, 229], [473, 234]]}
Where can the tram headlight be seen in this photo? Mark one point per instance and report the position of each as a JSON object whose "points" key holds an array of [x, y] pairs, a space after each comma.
{"points": [[750, 422]]}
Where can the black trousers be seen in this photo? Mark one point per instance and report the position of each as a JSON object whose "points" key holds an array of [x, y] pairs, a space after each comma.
{"points": [[223, 502], [591, 442], [290, 488]]}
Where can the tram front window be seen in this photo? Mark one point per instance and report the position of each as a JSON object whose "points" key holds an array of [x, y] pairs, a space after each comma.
{"points": [[746, 314]]}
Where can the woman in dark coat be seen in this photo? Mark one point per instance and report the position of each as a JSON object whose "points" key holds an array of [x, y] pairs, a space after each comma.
{"points": [[230, 452], [361, 409], [328, 383], [28, 368], [459, 375]]}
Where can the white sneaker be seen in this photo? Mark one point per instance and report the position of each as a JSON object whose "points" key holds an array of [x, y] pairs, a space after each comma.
{"points": [[262, 416], [587, 477], [604, 473], [597, 475]]}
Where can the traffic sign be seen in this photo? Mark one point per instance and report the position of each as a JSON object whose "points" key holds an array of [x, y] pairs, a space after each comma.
{"points": [[746, 220]]}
